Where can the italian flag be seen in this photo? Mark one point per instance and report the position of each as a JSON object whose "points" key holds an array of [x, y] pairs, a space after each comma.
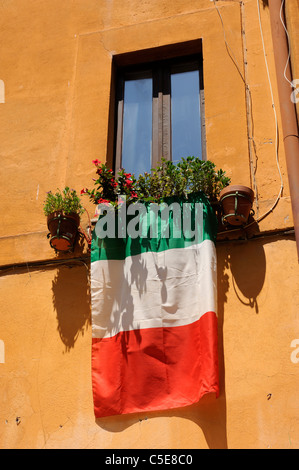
{"points": [[154, 313]]}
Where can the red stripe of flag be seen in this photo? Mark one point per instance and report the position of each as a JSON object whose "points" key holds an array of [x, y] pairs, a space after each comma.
{"points": [[155, 368]]}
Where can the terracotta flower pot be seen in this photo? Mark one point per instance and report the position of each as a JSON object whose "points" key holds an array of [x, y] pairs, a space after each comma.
{"points": [[236, 201], [63, 230]]}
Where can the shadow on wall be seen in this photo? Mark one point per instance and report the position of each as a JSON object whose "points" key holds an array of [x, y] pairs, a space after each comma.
{"points": [[248, 269], [209, 414], [71, 300]]}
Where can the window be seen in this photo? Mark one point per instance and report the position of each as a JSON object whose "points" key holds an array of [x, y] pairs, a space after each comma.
{"points": [[160, 112]]}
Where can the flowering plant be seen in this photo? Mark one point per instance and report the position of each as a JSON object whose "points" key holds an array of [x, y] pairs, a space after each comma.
{"points": [[66, 200], [167, 179], [108, 187]]}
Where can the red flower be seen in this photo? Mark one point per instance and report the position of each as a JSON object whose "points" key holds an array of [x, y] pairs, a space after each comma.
{"points": [[103, 201], [96, 162], [83, 191]]}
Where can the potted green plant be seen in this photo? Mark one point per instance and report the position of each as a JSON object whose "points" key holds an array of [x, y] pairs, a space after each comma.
{"points": [[63, 210]]}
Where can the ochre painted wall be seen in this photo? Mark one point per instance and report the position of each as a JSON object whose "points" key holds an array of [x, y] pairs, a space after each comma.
{"points": [[56, 67]]}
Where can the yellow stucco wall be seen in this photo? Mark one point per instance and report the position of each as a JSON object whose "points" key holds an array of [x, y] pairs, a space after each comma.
{"points": [[56, 67]]}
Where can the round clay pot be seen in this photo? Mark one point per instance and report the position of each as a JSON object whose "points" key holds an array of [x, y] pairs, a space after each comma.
{"points": [[63, 230], [236, 201]]}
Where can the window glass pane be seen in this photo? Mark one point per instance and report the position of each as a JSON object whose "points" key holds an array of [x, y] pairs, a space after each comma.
{"points": [[137, 126], [185, 115]]}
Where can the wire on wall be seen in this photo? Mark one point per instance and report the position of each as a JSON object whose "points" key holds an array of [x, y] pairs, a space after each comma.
{"points": [[46, 264], [231, 54], [275, 116], [250, 123], [228, 48]]}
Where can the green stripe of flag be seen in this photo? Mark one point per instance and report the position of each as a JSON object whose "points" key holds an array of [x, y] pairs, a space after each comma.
{"points": [[155, 231]]}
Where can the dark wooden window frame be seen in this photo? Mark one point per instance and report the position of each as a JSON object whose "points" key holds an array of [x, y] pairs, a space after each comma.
{"points": [[160, 62]]}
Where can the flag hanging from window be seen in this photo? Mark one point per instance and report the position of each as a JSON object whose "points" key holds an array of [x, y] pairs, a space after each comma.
{"points": [[154, 307]]}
